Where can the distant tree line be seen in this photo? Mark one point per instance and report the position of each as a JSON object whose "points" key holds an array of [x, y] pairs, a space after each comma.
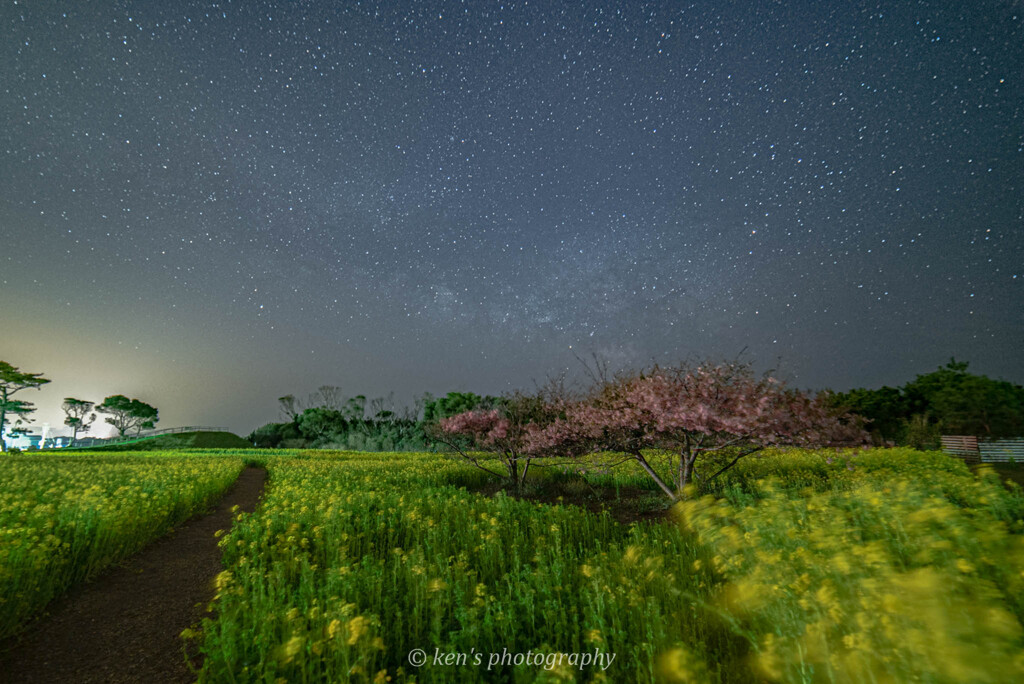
{"points": [[328, 419], [126, 415], [948, 401]]}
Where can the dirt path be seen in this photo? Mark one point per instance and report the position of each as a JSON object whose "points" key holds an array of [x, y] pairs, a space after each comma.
{"points": [[124, 626]]}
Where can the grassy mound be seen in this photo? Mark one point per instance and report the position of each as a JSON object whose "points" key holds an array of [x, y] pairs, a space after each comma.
{"points": [[181, 440]]}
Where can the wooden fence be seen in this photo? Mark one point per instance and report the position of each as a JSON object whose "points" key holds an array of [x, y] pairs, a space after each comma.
{"points": [[973, 450]]}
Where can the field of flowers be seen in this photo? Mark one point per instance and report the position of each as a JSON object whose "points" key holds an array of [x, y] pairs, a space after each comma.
{"points": [[805, 566], [353, 561], [897, 566], [65, 518], [800, 566]]}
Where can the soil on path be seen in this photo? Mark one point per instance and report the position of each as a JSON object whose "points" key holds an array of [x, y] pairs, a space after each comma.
{"points": [[124, 626]]}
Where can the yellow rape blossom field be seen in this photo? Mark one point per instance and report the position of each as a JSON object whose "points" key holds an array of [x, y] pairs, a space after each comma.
{"points": [[886, 565], [805, 566], [65, 518]]}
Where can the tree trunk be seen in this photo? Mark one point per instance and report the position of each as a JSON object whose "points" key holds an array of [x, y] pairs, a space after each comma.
{"points": [[513, 472], [522, 477], [650, 471], [681, 473], [3, 419], [686, 461]]}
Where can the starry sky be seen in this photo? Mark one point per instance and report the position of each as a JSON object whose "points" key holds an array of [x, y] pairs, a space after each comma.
{"points": [[207, 205]]}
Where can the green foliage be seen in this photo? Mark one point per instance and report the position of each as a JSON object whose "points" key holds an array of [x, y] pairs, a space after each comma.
{"points": [[967, 404], [455, 403], [78, 415], [321, 428], [21, 409], [346, 424], [271, 435], [379, 435], [355, 408], [12, 380], [128, 414], [920, 433], [885, 407], [314, 423], [947, 401]]}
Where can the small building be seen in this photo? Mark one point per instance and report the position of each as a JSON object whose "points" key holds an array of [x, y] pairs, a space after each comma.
{"points": [[24, 440]]}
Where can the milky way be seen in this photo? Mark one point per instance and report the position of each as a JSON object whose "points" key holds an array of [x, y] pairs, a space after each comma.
{"points": [[212, 204]]}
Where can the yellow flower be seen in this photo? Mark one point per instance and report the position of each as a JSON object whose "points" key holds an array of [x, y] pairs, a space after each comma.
{"points": [[291, 649], [680, 665], [332, 628], [222, 580], [768, 663], [357, 626], [964, 566]]}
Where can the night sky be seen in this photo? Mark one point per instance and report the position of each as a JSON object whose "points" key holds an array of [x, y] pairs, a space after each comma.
{"points": [[209, 205]]}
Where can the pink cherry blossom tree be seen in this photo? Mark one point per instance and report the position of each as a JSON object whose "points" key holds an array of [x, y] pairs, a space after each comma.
{"points": [[501, 432], [720, 412]]}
